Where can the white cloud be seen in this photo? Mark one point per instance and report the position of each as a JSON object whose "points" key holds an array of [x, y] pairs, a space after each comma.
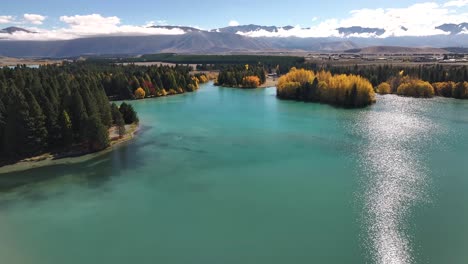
{"points": [[34, 19], [233, 23], [87, 21], [456, 3], [6, 19], [419, 19], [156, 23], [89, 25], [415, 20]]}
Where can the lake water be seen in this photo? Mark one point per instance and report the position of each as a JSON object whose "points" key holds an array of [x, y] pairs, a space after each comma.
{"points": [[236, 176]]}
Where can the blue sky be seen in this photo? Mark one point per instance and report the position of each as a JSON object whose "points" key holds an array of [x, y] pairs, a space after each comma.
{"points": [[65, 19], [203, 13]]}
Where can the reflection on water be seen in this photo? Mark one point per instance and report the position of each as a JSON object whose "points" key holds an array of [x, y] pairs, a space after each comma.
{"points": [[395, 177]]}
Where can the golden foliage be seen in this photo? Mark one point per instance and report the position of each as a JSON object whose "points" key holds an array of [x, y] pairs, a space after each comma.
{"points": [[203, 79], [251, 82], [415, 88], [444, 88], [384, 88], [162, 92], [343, 90], [140, 93], [301, 76]]}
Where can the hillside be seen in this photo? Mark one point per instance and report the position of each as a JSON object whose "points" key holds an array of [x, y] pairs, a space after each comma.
{"points": [[396, 50], [195, 42]]}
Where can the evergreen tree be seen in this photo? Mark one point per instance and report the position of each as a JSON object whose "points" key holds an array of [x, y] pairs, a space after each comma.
{"points": [[66, 130], [2, 124], [38, 131], [16, 136], [128, 113], [118, 119], [97, 136], [78, 115]]}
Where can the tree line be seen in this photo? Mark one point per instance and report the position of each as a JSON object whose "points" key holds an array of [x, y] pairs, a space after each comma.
{"points": [[378, 74], [414, 87], [350, 91], [121, 82], [55, 109]]}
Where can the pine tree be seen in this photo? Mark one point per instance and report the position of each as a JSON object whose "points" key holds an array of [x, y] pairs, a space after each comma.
{"points": [[128, 113], [118, 119], [38, 131], [78, 115], [2, 124], [66, 130], [97, 135], [16, 137]]}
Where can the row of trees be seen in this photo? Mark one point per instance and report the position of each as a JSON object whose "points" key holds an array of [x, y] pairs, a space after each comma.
{"points": [[122, 82], [349, 91], [381, 73], [410, 86], [451, 89], [241, 76], [54, 109]]}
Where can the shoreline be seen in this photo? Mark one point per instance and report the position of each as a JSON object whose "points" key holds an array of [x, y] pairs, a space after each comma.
{"points": [[49, 159]]}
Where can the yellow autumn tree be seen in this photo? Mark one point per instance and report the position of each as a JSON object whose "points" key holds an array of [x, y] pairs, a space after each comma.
{"points": [[415, 88], [444, 88], [202, 79], [343, 90], [251, 82], [384, 88], [140, 93]]}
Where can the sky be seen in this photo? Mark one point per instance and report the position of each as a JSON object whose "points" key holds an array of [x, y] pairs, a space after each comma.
{"points": [[71, 18]]}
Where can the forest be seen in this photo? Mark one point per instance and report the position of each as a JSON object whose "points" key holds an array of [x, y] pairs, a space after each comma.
{"points": [[59, 108], [278, 64], [55, 109], [349, 91], [137, 82], [246, 76]]}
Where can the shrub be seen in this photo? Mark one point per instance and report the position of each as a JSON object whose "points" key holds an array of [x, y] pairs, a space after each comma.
{"points": [[460, 90], [384, 88], [251, 82], [415, 88], [140, 93], [443, 88]]}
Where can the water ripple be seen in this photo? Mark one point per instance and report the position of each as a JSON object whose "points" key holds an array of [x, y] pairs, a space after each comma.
{"points": [[394, 179]]}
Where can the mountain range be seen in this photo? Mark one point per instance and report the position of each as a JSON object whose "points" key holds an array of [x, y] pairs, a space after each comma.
{"points": [[233, 39]]}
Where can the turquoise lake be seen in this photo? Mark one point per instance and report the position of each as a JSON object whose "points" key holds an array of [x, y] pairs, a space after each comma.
{"points": [[237, 176]]}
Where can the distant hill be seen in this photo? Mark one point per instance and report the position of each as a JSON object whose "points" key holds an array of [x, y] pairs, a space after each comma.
{"points": [[226, 40], [457, 49], [312, 44], [185, 29], [360, 30], [250, 28], [11, 30], [397, 50], [195, 42], [454, 29]]}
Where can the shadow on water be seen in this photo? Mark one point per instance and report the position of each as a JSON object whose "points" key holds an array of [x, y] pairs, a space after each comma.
{"points": [[92, 173]]}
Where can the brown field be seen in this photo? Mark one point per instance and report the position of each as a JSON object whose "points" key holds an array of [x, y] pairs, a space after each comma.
{"points": [[6, 61]]}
